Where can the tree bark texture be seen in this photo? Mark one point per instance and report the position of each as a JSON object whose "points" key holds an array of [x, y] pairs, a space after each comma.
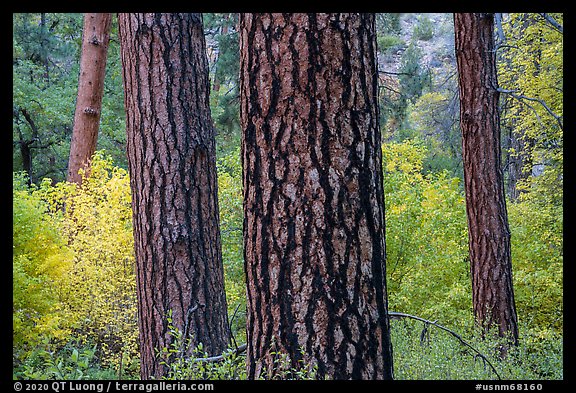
{"points": [[172, 164], [95, 39], [489, 235], [314, 242]]}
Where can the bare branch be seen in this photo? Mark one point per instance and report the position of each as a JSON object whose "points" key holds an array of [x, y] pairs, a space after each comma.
{"points": [[500, 31], [30, 122], [395, 73], [553, 22], [521, 97], [403, 315], [230, 325], [219, 358]]}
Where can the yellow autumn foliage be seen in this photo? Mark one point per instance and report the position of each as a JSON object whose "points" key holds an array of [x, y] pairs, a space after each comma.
{"points": [[98, 292]]}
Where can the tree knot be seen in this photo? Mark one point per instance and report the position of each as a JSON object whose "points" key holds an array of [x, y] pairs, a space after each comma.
{"points": [[90, 111]]}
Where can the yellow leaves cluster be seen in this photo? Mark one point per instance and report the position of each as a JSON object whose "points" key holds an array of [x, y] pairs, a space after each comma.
{"points": [[40, 263], [532, 66], [97, 295], [404, 159]]}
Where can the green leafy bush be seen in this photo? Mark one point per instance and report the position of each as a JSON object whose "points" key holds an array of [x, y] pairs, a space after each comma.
{"points": [[426, 237], [231, 364], [537, 261], [231, 222], [424, 29], [429, 353], [71, 362], [390, 43], [182, 366]]}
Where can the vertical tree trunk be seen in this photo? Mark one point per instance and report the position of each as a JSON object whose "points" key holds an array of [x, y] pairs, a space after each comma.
{"points": [[518, 162], [313, 195], [489, 236], [172, 164], [95, 39], [223, 32], [44, 53]]}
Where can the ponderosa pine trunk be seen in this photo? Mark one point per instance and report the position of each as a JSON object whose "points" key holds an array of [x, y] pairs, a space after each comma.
{"points": [[489, 235], [95, 40], [172, 165], [314, 244]]}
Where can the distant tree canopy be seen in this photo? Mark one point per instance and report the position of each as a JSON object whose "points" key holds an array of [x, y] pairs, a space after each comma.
{"points": [[46, 50]]}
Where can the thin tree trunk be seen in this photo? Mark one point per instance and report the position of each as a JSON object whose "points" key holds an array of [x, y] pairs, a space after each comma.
{"points": [[95, 40], [24, 144], [518, 161], [44, 55], [313, 195], [223, 32], [489, 235], [172, 164]]}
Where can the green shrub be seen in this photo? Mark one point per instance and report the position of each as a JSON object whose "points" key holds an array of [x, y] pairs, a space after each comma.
{"points": [[71, 362], [426, 237], [537, 261], [183, 367], [424, 29], [231, 365], [436, 354], [231, 222], [389, 43]]}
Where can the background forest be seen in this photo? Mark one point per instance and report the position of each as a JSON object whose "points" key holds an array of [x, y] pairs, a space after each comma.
{"points": [[74, 287]]}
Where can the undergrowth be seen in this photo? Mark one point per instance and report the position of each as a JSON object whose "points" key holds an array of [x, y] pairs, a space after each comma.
{"points": [[421, 352]]}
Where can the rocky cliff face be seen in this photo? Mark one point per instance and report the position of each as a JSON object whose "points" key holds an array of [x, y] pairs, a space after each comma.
{"points": [[431, 32]]}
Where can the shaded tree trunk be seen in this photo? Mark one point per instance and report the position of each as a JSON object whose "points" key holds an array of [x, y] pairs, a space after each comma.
{"points": [[23, 143], [313, 195], [489, 235], [172, 164], [95, 40], [518, 162], [223, 32], [44, 52]]}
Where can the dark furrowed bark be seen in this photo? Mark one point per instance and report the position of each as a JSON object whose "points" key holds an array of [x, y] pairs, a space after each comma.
{"points": [[313, 197], [489, 235], [172, 163]]}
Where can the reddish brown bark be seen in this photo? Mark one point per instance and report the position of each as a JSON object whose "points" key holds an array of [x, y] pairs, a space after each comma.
{"points": [[313, 195], [95, 39], [489, 235], [172, 164]]}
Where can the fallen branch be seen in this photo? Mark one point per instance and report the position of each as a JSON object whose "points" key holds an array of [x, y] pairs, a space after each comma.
{"points": [[242, 348], [427, 322], [219, 358], [230, 326]]}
